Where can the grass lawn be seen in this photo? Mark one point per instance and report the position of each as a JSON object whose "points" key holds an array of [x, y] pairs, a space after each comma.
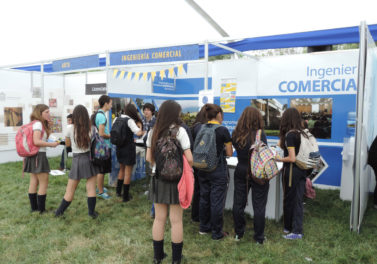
{"points": [[122, 232]]}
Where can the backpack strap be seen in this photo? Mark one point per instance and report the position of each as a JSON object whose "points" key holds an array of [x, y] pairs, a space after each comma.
{"points": [[258, 135]]}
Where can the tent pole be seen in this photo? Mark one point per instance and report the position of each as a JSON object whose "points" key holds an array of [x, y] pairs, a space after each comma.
{"points": [[359, 124], [206, 65], [42, 83]]}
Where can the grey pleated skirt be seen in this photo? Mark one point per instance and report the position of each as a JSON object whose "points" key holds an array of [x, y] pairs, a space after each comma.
{"points": [[37, 163], [82, 167], [163, 192]]}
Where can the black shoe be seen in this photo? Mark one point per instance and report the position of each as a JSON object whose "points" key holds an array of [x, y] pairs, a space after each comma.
{"points": [[94, 215], [127, 200], [58, 214], [159, 261], [223, 234]]}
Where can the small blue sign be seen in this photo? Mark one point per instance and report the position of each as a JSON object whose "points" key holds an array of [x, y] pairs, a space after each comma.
{"points": [[177, 53], [75, 63]]}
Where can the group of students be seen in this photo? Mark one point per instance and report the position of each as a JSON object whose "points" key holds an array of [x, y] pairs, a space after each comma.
{"points": [[210, 186]]}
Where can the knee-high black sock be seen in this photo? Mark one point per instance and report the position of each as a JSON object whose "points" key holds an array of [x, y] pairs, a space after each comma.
{"points": [[126, 189], [177, 251], [158, 249], [41, 201], [91, 205], [119, 187], [33, 202], [63, 206]]}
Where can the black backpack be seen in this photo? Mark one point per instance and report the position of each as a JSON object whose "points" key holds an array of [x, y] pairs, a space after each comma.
{"points": [[168, 156], [119, 134], [205, 149]]}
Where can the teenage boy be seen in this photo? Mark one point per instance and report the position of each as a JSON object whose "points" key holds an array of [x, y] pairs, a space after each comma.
{"points": [[101, 122], [149, 120]]}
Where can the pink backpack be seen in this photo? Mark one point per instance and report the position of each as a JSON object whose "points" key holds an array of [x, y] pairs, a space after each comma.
{"points": [[24, 140]]}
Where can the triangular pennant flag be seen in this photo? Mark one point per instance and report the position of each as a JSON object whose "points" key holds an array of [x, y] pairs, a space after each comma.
{"points": [[137, 74], [125, 74], [118, 73], [162, 74], [153, 74], [145, 74], [167, 73], [148, 76], [115, 72], [176, 71], [171, 72], [133, 75], [129, 75], [185, 67], [180, 69], [121, 75], [140, 75]]}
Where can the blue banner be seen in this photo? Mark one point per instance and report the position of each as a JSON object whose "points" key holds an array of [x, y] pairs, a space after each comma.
{"points": [[177, 53], [75, 63]]}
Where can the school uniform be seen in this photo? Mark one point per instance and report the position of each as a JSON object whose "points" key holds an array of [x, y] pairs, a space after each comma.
{"points": [[38, 163], [102, 120], [241, 188], [294, 188], [213, 187], [82, 167], [126, 154], [163, 192]]}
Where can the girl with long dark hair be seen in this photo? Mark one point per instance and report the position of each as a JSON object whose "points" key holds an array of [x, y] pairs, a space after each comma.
{"points": [[78, 136], [213, 185], [294, 178], [244, 135], [126, 154], [165, 194], [37, 165]]}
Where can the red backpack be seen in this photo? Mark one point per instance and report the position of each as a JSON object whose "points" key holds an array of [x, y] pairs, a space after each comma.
{"points": [[24, 140]]}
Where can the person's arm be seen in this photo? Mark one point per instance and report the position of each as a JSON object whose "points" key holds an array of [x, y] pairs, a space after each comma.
{"points": [[40, 143], [135, 128], [188, 156], [228, 149], [149, 157], [101, 131], [291, 156], [67, 142]]}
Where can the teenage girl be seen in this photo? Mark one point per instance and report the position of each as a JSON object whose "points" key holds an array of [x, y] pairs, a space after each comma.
{"points": [[126, 154], [78, 137], [37, 165], [243, 137], [165, 194], [213, 185], [294, 178]]}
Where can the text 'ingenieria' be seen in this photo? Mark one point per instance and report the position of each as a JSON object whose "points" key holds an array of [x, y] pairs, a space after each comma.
{"points": [[330, 79]]}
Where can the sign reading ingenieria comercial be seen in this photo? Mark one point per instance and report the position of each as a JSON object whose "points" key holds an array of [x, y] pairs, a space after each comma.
{"points": [[176, 53]]}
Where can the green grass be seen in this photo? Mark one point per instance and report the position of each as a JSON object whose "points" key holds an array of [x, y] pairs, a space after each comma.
{"points": [[122, 233]]}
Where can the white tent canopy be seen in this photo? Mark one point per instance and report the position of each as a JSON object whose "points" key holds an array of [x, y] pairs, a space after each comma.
{"points": [[38, 30]]}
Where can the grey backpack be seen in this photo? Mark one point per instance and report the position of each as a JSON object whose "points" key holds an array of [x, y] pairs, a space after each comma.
{"points": [[205, 151]]}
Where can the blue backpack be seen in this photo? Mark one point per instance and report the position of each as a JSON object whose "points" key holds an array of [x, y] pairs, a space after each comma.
{"points": [[100, 151]]}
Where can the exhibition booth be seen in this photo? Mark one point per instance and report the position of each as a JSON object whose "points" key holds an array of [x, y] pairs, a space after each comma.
{"points": [[322, 86]]}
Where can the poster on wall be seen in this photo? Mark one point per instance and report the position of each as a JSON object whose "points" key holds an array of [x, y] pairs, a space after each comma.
{"points": [[56, 124], [205, 97], [12, 116], [52, 102], [36, 92], [3, 139], [228, 95]]}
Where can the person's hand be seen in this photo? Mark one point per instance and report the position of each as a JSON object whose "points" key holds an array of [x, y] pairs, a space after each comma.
{"points": [[54, 144]]}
